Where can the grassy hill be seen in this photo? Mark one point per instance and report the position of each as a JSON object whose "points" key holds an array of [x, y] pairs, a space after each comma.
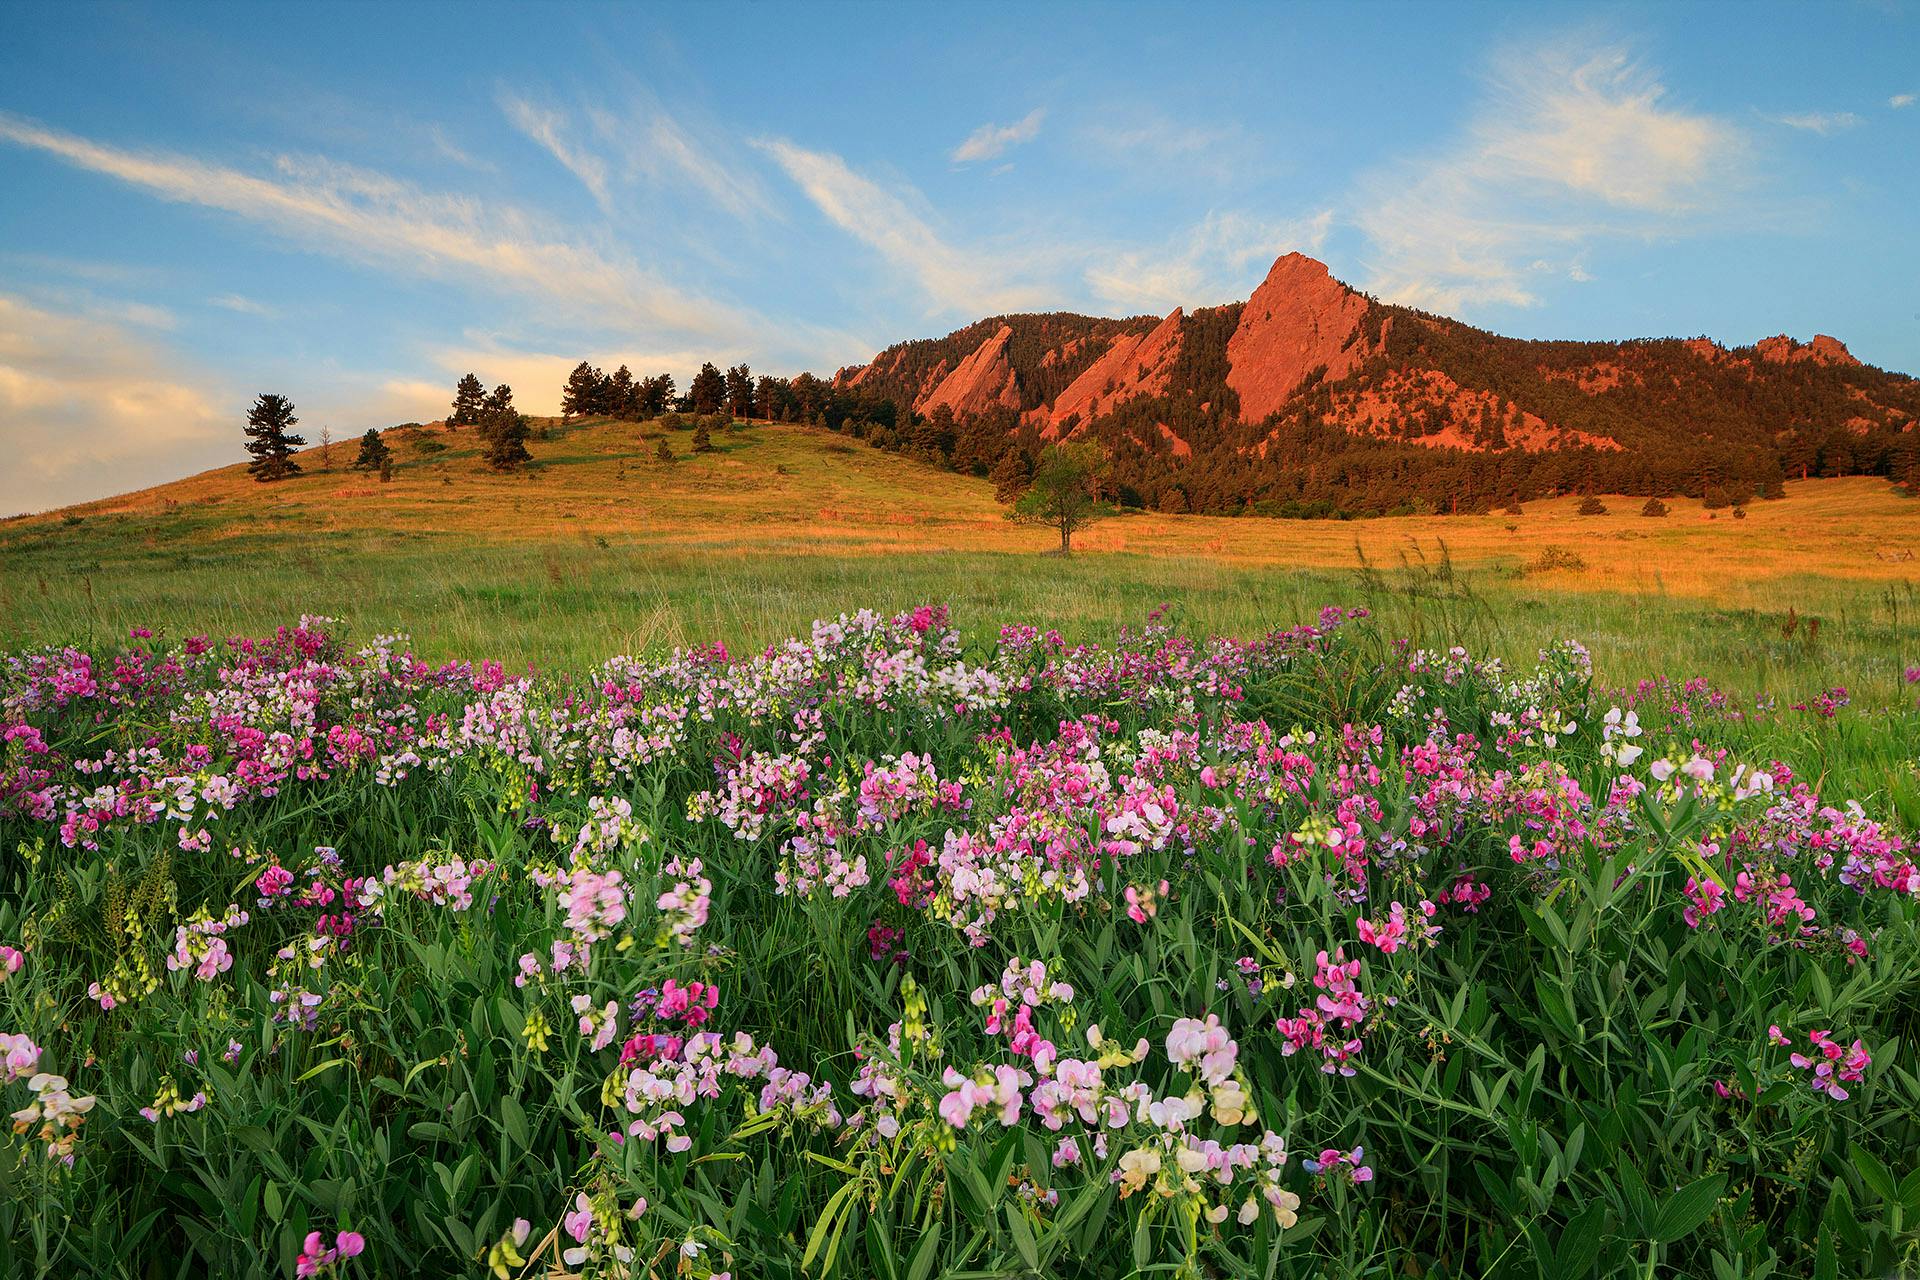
{"points": [[601, 547]]}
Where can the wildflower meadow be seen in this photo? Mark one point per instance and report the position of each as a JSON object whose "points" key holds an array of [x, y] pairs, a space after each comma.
{"points": [[884, 954]]}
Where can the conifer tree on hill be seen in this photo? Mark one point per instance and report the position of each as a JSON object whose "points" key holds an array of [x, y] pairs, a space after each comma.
{"points": [[583, 395], [504, 430], [374, 454], [270, 439], [468, 398], [708, 389]]}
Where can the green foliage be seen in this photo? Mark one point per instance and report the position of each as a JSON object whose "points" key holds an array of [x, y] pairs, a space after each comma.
{"points": [[1063, 493], [270, 439], [374, 454]]}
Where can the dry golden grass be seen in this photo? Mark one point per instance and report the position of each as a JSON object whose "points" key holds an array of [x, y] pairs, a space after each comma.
{"points": [[789, 491]]}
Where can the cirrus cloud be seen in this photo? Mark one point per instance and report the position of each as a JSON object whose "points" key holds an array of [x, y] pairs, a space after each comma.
{"points": [[991, 141], [1569, 149]]}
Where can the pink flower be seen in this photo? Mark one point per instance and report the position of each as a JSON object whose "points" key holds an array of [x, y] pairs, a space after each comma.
{"points": [[579, 1223], [1704, 899]]}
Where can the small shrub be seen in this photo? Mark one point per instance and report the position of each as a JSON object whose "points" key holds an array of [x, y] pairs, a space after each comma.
{"points": [[1551, 558], [663, 451], [1592, 506], [1654, 507]]}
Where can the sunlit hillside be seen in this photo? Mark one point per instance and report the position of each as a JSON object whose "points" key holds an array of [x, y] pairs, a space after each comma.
{"points": [[601, 546]]}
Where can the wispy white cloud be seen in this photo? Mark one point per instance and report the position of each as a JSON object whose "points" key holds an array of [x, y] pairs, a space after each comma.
{"points": [[447, 149], [549, 128], [990, 141], [655, 145], [1900, 100], [972, 279], [370, 218], [1215, 261], [91, 406], [1569, 149], [242, 304], [1820, 122], [1155, 136]]}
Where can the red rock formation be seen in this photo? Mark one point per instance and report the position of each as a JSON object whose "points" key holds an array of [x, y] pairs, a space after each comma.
{"points": [[1297, 320], [983, 380], [1822, 350], [1380, 411], [1135, 365]]}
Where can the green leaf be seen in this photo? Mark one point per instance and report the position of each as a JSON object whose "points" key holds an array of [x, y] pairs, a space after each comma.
{"points": [[1687, 1208], [1579, 1246], [838, 1203], [1826, 1261], [311, 1072], [513, 1118], [1023, 1241], [1873, 1172], [925, 1254]]}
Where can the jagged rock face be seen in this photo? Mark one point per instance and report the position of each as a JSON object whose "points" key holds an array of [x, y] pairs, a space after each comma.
{"points": [[1297, 320], [1135, 365], [983, 380], [1822, 350]]}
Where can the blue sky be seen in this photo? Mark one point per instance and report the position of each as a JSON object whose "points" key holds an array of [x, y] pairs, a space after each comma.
{"points": [[354, 204]]}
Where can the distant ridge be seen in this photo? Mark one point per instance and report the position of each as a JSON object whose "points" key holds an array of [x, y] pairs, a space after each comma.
{"points": [[1314, 394]]}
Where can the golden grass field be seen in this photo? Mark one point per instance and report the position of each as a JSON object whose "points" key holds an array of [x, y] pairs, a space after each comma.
{"points": [[601, 547], [797, 490]]}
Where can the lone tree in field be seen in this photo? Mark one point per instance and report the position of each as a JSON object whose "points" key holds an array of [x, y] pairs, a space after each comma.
{"points": [[469, 397], [665, 451], [504, 430], [702, 438], [1064, 492], [1591, 506], [270, 439], [374, 453], [1654, 507]]}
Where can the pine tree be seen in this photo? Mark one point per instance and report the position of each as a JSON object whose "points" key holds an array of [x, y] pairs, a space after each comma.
{"points": [[1654, 507], [623, 395], [467, 399], [1592, 506], [767, 396], [270, 439], [504, 430], [709, 388], [740, 391], [655, 395], [702, 438], [664, 451], [1010, 476], [581, 396], [374, 454]]}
